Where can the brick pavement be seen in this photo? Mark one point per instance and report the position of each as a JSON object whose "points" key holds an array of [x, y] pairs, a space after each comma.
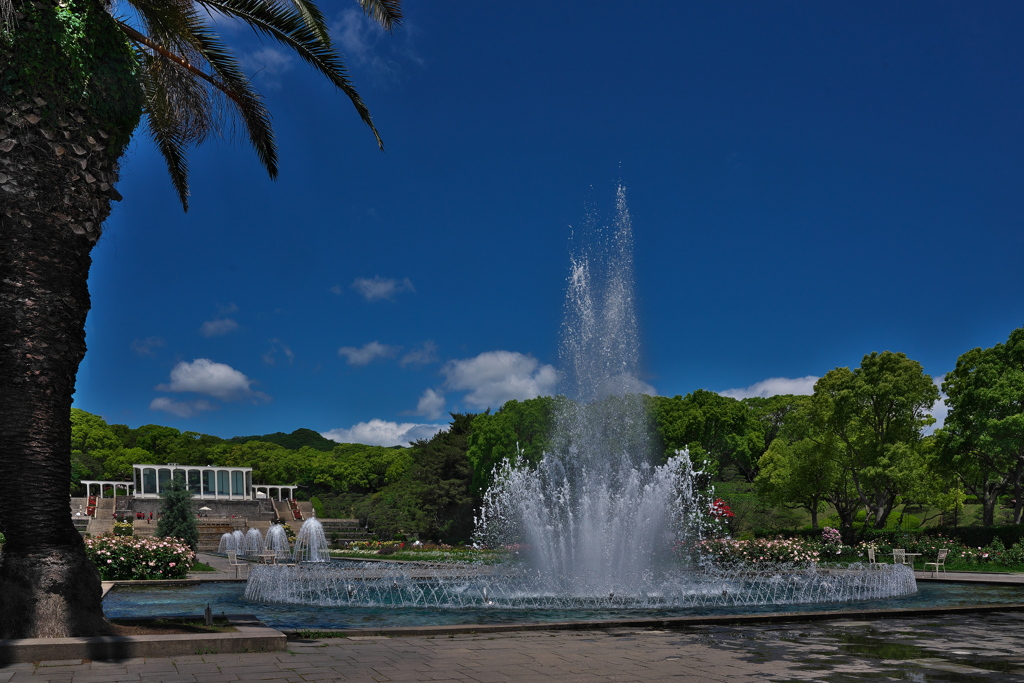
{"points": [[955, 648]]}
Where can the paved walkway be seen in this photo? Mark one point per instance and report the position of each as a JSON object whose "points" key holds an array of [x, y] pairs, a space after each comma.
{"points": [[979, 648], [985, 647]]}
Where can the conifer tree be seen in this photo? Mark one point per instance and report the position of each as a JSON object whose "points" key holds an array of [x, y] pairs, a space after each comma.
{"points": [[176, 517]]}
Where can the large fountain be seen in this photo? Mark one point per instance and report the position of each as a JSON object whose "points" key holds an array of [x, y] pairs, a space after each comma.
{"points": [[597, 523]]}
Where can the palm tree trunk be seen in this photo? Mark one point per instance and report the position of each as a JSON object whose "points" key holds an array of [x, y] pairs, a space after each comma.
{"points": [[69, 102], [49, 221]]}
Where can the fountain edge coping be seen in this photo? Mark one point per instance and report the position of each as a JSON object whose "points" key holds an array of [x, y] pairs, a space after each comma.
{"points": [[250, 635], [670, 623]]}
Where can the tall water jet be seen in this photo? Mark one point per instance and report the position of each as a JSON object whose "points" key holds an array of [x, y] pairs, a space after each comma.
{"points": [[596, 516]]}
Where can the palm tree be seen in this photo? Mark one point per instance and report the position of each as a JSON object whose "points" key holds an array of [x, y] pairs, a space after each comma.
{"points": [[76, 79]]}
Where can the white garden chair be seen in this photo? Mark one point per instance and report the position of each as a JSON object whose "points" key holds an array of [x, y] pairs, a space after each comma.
{"points": [[871, 558], [233, 562], [939, 563], [899, 555]]}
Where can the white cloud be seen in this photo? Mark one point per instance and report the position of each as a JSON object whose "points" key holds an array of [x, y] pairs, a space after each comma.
{"points": [[422, 356], [268, 64], [336, 289], [147, 346], [382, 433], [358, 37], [180, 408], [218, 327], [277, 346], [367, 353], [377, 288], [431, 405], [203, 376], [773, 386], [494, 377]]}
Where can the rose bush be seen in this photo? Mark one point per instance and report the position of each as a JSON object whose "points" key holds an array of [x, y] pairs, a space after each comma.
{"points": [[758, 551], [123, 558]]}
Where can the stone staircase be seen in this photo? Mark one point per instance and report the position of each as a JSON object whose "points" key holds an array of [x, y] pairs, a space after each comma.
{"points": [[342, 531], [103, 522]]}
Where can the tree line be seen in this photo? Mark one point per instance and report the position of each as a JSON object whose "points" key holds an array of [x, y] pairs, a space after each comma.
{"points": [[860, 448]]}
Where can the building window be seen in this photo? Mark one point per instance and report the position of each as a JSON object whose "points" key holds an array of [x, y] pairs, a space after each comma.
{"points": [[163, 478], [149, 480], [193, 482]]}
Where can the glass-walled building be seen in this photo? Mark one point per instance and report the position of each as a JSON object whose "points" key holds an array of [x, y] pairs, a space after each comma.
{"points": [[229, 483]]}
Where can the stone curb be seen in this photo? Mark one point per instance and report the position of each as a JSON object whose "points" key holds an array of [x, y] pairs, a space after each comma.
{"points": [[251, 635], [665, 624]]}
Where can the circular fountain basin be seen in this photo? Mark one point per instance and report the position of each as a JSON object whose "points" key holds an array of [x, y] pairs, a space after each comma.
{"points": [[456, 586], [227, 597]]}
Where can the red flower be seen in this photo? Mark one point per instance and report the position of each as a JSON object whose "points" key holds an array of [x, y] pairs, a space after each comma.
{"points": [[720, 509]]}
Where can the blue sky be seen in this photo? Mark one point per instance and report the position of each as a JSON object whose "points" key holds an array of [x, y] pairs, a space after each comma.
{"points": [[808, 182]]}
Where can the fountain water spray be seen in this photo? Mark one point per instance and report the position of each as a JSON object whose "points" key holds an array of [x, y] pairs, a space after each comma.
{"points": [[227, 544], [597, 519], [596, 515], [311, 542], [277, 542], [253, 542]]}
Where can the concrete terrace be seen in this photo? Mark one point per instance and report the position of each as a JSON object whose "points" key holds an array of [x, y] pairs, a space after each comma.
{"points": [[958, 646]]}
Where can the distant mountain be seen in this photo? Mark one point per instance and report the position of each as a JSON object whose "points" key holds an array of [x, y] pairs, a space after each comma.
{"points": [[293, 441]]}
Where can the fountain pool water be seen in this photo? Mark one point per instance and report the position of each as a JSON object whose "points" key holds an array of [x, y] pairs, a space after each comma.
{"points": [[598, 519], [228, 598]]}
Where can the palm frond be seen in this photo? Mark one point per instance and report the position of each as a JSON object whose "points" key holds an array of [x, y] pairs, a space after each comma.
{"points": [[247, 100], [387, 13], [289, 29], [176, 30], [185, 68], [313, 17], [164, 123]]}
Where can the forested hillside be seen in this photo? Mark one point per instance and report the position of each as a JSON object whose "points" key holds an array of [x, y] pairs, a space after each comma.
{"points": [[857, 450]]}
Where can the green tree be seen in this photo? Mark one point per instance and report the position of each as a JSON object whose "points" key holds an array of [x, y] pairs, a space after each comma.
{"points": [[74, 85], [876, 413], [774, 412], [982, 439], [721, 429], [177, 520], [519, 427], [433, 499], [798, 474], [804, 466]]}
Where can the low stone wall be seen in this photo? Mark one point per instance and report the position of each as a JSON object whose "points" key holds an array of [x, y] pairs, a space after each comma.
{"points": [[256, 510]]}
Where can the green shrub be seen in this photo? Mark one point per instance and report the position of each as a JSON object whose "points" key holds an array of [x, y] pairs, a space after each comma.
{"points": [[176, 517], [318, 506], [125, 558]]}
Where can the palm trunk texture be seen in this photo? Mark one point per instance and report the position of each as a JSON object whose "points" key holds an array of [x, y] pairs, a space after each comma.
{"points": [[56, 177]]}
